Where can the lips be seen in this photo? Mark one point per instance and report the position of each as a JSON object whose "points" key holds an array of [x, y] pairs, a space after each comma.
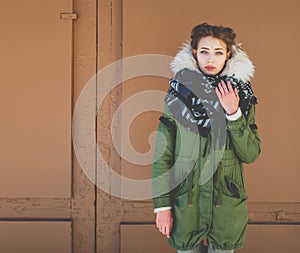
{"points": [[209, 67]]}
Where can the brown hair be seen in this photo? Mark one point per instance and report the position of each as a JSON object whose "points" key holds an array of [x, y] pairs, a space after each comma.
{"points": [[226, 34]]}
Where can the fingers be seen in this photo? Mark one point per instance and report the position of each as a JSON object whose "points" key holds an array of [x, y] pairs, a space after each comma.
{"points": [[164, 222], [165, 230], [236, 92], [229, 86], [228, 96], [168, 229], [224, 89]]}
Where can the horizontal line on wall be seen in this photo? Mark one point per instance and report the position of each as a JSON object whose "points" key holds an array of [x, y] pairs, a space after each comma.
{"points": [[250, 223], [273, 223], [137, 223], [35, 220]]}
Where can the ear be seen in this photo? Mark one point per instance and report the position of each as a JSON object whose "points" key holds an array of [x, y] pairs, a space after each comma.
{"points": [[228, 55], [194, 52]]}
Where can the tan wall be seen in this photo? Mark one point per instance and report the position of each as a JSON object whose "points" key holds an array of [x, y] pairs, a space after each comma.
{"points": [[263, 28], [46, 63], [46, 201], [36, 56], [260, 238]]}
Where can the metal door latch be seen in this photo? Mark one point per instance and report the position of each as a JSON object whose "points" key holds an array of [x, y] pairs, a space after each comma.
{"points": [[68, 16]]}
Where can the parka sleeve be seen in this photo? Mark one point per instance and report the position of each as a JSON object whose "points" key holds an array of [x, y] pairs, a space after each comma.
{"points": [[244, 137], [163, 160]]}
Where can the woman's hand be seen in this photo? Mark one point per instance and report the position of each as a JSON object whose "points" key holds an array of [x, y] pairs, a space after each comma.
{"points": [[164, 222], [228, 97]]}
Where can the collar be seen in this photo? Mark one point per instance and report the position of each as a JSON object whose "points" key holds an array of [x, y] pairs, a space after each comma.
{"points": [[239, 65]]}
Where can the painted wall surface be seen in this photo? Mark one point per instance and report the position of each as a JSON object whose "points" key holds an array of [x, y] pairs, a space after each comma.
{"points": [[35, 237], [46, 63], [35, 102], [260, 239], [46, 201], [267, 31]]}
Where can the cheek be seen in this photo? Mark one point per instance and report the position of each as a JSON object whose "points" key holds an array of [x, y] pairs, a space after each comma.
{"points": [[201, 60], [222, 61]]}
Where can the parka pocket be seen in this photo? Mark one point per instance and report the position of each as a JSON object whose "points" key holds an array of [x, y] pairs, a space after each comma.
{"points": [[229, 222], [234, 171], [234, 189], [231, 217]]}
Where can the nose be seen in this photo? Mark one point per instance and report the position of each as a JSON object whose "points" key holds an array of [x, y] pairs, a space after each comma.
{"points": [[210, 58]]}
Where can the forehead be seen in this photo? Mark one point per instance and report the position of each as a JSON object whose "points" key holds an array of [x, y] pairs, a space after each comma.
{"points": [[211, 43]]}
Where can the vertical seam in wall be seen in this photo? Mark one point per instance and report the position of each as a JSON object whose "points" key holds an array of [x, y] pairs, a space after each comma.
{"points": [[72, 111], [72, 103], [96, 128], [111, 28], [121, 52]]}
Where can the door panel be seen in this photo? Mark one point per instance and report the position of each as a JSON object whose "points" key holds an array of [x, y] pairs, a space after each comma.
{"points": [[46, 200], [35, 237], [140, 238], [260, 239], [270, 238], [35, 98]]}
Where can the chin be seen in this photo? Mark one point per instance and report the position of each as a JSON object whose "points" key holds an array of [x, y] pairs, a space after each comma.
{"points": [[210, 73]]}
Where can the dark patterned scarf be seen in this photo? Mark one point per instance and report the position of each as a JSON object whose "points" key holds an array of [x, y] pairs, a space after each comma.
{"points": [[193, 102]]}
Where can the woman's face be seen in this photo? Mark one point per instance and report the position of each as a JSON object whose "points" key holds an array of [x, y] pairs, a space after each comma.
{"points": [[211, 55]]}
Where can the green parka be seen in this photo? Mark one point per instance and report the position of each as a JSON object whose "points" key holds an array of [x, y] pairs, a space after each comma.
{"points": [[216, 208]]}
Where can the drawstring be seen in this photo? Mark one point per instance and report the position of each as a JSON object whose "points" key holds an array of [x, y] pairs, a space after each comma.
{"points": [[218, 183], [207, 146], [190, 184]]}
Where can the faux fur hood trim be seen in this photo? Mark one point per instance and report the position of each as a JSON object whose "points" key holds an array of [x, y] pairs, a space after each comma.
{"points": [[239, 65]]}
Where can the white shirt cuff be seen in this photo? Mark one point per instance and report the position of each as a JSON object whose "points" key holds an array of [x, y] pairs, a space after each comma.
{"points": [[165, 208], [234, 116]]}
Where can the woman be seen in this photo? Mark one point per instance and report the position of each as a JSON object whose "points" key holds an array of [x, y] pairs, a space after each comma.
{"points": [[205, 203]]}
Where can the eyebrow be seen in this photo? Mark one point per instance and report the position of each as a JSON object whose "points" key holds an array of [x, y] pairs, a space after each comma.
{"points": [[218, 48]]}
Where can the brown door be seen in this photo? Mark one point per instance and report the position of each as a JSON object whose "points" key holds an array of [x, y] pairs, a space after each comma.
{"points": [[46, 202]]}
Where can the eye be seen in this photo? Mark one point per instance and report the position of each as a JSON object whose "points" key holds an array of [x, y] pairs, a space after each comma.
{"points": [[203, 52], [219, 53]]}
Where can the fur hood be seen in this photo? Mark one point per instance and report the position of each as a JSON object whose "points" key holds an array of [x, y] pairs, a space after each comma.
{"points": [[239, 65]]}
